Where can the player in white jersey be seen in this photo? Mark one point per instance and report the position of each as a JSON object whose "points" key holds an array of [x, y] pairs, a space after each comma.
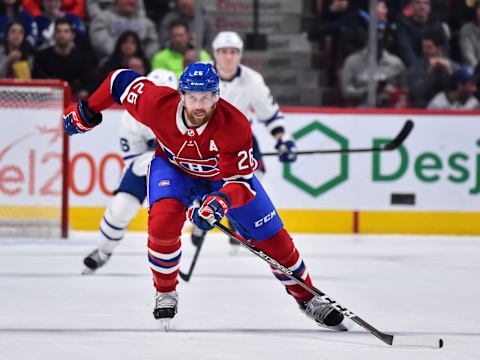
{"points": [[138, 145], [245, 88]]}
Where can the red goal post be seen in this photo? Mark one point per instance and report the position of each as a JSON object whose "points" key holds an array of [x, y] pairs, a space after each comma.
{"points": [[33, 158]]}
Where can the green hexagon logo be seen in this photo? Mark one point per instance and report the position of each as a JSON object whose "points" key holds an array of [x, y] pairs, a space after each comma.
{"points": [[336, 179]]}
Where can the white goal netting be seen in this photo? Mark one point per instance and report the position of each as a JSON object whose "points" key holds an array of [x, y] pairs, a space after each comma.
{"points": [[32, 159]]}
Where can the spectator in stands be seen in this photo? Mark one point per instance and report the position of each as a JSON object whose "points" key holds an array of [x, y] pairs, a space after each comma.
{"points": [[52, 11], [429, 74], [461, 12], [96, 7], [74, 7], [396, 8], [12, 10], [128, 45], [106, 27], [138, 64], [439, 9], [470, 40], [15, 59], [477, 74], [173, 58], [461, 95], [156, 9], [185, 11], [354, 34], [333, 17], [65, 61], [410, 30], [389, 76], [190, 56], [333, 10], [399, 99]]}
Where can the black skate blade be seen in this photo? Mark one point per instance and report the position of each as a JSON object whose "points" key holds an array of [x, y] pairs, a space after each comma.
{"points": [[90, 263], [339, 327], [334, 321], [334, 318], [340, 322], [165, 313]]}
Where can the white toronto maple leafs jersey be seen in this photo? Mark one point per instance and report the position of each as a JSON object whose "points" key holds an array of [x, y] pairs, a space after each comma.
{"points": [[248, 92], [136, 140], [137, 143]]}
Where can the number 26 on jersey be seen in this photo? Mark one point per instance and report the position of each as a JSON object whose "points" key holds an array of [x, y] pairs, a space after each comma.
{"points": [[247, 160], [135, 92]]}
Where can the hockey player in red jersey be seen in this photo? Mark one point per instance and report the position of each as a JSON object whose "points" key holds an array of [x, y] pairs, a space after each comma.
{"points": [[204, 150]]}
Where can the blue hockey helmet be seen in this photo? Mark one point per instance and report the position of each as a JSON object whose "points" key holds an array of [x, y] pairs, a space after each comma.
{"points": [[199, 77]]}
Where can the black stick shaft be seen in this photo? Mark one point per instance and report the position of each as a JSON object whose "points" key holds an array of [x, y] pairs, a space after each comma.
{"points": [[386, 338], [186, 276], [392, 145]]}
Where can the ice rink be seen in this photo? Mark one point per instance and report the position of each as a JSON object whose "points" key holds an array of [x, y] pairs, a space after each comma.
{"points": [[233, 308]]}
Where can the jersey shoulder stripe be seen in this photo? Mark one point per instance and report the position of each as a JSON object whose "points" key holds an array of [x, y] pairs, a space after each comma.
{"points": [[121, 82]]}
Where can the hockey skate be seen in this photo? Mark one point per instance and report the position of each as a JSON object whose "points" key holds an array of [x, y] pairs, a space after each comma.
{"points": [[96, 259], [324, 314], [165, 308], [198, 235]]}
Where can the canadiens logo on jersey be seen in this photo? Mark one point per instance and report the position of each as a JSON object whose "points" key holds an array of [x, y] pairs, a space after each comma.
{"points": [[164, 183], [194, 166]]}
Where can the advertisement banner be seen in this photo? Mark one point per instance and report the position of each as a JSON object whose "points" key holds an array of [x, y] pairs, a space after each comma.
{"points": [[436, 169], [30, 158]]}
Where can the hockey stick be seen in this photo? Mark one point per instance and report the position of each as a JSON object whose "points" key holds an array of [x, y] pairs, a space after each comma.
{"points": [[392, 145], [186, 276], [395, 340]]}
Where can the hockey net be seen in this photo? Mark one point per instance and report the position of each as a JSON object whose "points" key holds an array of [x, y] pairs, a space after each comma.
{"points": [[33, 159]]}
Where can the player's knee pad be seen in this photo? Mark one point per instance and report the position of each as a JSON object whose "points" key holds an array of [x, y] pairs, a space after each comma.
{"points": [[122, 209], [165, 219]]}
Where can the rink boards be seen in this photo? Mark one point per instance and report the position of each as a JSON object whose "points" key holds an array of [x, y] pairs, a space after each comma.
{"points": [[431, 185]]}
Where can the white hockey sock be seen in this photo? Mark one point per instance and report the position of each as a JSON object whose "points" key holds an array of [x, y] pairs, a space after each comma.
{"points": [[121, 210]]}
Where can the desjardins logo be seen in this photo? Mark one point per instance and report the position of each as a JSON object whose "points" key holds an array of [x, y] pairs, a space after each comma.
{"points": [[429, 167], [335, 179]]}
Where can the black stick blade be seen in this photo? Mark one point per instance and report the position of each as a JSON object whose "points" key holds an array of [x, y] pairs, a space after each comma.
{"points": [[183, 276], [186, 276], [402, 135]]}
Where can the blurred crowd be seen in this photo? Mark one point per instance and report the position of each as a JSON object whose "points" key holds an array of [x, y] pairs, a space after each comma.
{"points": [[81, 41], [428, 50]]}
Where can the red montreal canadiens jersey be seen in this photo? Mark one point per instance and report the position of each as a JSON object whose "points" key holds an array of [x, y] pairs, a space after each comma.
{"points": [[219, 149]]}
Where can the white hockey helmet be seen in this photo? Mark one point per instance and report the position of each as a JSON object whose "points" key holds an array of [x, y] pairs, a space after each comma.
{"points": [[162, 77], [227, 39]]}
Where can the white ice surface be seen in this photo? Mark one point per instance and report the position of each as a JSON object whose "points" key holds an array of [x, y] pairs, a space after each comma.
{"points": [[233, 308]]}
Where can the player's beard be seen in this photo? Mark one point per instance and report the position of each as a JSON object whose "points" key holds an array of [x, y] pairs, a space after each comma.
{"points": [[198, 117]]}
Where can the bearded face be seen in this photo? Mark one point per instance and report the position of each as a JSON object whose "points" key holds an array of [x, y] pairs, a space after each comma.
{"points": [[199, 107]]}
